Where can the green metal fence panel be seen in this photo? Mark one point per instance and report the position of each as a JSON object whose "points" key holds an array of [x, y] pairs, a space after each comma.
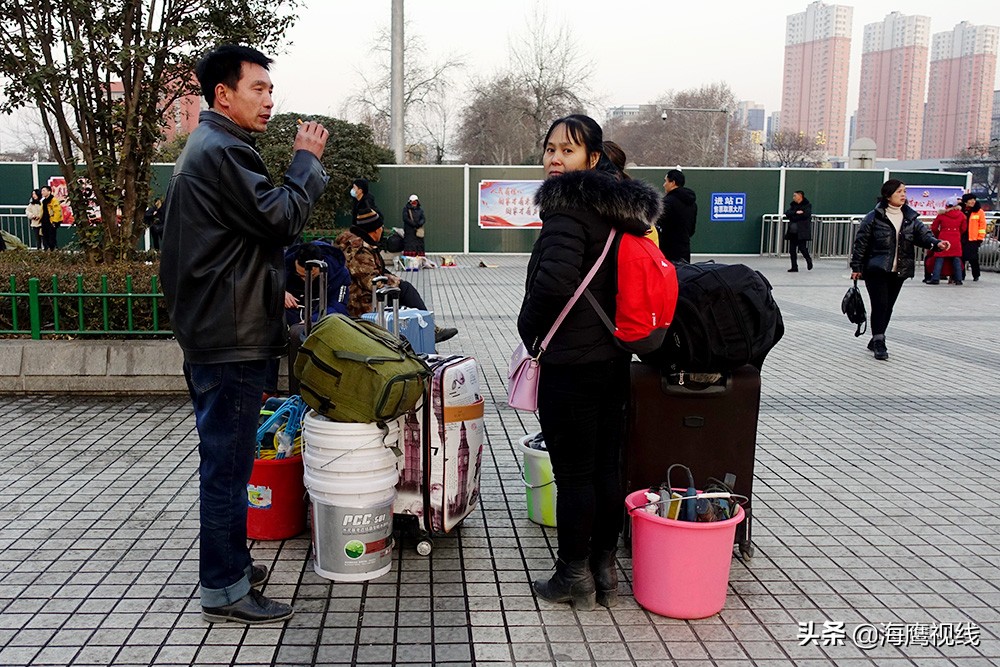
{"points": [[928, 178], [440, 191], [834, 191], [16, 183]]}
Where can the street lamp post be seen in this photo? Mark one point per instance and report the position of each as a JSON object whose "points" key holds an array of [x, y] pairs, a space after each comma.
{"points": [[725, 149]]}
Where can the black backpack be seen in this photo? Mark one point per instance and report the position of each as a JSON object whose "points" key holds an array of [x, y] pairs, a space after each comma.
{"points": [[726, 317], [853, 306]]}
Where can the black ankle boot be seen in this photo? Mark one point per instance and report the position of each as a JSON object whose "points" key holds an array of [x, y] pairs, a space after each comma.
{"points": [[602, 564], [573, 582]]}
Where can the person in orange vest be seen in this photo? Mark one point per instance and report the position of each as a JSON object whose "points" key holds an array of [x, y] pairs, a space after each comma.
{"points": [[976, 233]]}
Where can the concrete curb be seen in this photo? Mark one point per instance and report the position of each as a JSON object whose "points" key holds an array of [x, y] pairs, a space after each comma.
{"points": [[93, 367]]}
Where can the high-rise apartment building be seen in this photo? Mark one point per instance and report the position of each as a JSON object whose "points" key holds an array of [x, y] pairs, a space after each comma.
{"points": [[995, 125], [892, 86], [960, 90], [817, 62], [750, 115]]}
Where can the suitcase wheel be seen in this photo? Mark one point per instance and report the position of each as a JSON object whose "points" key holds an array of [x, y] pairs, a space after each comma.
{"points": [[424, 547]]}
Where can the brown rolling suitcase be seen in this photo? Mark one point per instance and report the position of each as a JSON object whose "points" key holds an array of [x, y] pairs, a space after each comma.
{"points": [[709, 427]]}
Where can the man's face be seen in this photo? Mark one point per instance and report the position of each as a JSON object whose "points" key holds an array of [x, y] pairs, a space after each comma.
{"points": [[668, 185], [970, 203], [45, 192], [250, 104], [797, 198]]}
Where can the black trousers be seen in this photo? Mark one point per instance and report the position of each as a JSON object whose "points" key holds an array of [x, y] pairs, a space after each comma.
{"points": [[581, 408], [800, 246], [409, 296], [970, 254], [883, 289], [48, 235]]}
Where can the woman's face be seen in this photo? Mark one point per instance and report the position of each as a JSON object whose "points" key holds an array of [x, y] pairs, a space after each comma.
{"points": [[898, 198], [34, 196], [563, 155]]}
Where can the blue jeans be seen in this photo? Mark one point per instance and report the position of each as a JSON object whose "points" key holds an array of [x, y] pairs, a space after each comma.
{"points": [[956, 269], [226, 400]]}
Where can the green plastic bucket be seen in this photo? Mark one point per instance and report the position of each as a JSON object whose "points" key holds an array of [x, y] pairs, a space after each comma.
{"points": [[539, 484]]}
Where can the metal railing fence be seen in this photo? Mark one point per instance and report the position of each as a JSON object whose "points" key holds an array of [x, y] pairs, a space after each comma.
{"points": [[833, 236], [78, 312]]}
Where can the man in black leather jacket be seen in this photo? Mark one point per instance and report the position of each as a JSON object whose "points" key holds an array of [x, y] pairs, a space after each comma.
{"points": [[221, 266]]}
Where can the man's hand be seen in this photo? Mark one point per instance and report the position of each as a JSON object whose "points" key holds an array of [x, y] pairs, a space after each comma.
{"points": [[311, 137], [943, 245], [291, 301], [856, 275]]}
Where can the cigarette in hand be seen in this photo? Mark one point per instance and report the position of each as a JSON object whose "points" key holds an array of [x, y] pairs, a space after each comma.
{"points": [[300, 121]]}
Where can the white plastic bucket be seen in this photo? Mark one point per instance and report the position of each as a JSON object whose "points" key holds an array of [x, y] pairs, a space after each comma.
{"points": [[351, 474], [539, 483]]}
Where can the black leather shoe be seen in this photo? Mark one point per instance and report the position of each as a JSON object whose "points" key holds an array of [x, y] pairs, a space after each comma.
{"points": [[573, 582], [259, 575], [881, 353], [442, 334], [252, 609], [809, 265], [793, 270]]}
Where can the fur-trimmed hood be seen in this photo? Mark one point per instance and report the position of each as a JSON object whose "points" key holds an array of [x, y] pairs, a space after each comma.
{"points": [[630, 205]]}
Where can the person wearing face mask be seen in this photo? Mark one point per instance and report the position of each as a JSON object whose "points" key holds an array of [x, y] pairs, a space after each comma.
{"points": [[584, 378], [361, 199], [884, 255]]}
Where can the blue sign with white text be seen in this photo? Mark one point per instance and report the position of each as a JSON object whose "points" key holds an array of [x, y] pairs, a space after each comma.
{"points": [[729, 207]]}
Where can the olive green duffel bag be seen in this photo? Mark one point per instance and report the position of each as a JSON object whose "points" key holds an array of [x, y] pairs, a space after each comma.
{"points": [[356, 371]]}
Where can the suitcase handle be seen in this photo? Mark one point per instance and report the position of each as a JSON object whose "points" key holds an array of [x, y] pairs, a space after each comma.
{"points": [[307, 311], [693, 388], [386, 297]]}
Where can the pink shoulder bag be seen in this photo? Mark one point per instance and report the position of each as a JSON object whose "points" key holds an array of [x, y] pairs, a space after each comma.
{"points": [[522, 378]]}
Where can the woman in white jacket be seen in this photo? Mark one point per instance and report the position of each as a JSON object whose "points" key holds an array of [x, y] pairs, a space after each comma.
{"points": [[34, 212]]}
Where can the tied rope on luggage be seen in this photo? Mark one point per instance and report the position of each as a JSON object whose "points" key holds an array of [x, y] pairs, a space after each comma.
{"points": [[284, 427]]}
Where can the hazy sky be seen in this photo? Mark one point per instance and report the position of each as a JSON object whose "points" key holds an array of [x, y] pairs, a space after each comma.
{"points": [[640, 48]]}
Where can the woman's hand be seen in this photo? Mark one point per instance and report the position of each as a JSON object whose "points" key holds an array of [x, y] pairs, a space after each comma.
{"points": [[943, 245], [855, 275]]}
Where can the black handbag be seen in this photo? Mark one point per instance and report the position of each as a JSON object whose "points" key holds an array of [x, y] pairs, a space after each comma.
{"points": [[853, 305], [792, 232]]}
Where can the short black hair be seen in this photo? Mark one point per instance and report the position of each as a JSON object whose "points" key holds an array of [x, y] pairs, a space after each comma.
{"points": [[307, 252], [676, 176], [224, 64], [967, 196], [799, 192], [361, 184], [888, 189]]}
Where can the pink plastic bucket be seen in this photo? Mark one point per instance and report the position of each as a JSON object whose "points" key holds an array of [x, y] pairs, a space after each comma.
{"points": [[680, 569]]}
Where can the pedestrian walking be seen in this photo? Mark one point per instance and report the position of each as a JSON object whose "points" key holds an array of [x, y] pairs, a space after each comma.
{"points": [[798, 233], [884, 255]]}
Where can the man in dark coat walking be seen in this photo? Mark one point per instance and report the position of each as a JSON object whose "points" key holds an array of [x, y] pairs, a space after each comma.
{"points": [[675, 225], [799, 229]]}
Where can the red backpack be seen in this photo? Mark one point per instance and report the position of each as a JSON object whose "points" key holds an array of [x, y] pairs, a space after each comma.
{"points": [[647, 295]]}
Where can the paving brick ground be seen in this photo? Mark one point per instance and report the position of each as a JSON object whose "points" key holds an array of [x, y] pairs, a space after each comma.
{"points": [[875, 500]]}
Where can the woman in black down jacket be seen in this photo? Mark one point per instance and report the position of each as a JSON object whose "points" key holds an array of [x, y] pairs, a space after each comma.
{"points": [[584, 378], [883, 255]]}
